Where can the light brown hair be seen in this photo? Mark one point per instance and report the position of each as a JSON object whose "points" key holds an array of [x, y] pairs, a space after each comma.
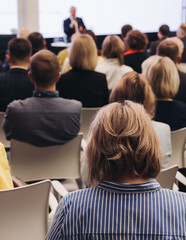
{"points": [[169, 49], [122, 143], [137, 40], [83, 53], [113, 47], [133, 86]]}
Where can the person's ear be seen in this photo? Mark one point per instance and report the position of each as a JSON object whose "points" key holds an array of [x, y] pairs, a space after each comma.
{"points": [[8, 58], [30, 76], [44, 43], [58, 77]]}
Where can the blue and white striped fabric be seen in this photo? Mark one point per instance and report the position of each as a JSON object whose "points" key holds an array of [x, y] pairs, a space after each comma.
{"points": [[116, 211]]}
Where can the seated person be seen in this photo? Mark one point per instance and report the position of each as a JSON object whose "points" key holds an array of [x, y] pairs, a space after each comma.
{"points": [[163, 77], [163, 33], [113, 48], [124, 30], [136, 54], [125, 201], [5, 177], [134, 87], [44, 119], [37, 41], [15, 83], [82, 82], [181, 33]]}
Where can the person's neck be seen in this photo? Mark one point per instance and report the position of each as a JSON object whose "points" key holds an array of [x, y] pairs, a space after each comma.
{"points": [[40, 88], [19, 65], [164, 99], [133, 180]]}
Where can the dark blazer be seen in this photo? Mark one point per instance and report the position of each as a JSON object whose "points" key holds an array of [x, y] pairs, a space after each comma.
{"points": [[14, 84], [183, 58], [181, 94], [135, 60], [68, 30], [89, 87]]}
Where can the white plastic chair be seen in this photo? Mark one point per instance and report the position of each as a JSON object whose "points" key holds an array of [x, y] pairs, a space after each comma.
{"points": [[178, 139], [31, 163], [2, 134], [167, 177], [24, 212], [87, 117]]}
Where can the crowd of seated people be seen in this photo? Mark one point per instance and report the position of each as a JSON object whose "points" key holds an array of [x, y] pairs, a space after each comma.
{"points": [[127, 137]]}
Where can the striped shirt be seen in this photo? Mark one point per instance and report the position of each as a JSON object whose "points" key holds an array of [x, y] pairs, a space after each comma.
{"points": [[116, 211]]}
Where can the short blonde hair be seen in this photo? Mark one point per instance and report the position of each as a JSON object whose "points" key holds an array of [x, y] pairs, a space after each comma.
{"points": [[83, 53], [113, 47], [122, 143], [133, 86], [162, 74]]}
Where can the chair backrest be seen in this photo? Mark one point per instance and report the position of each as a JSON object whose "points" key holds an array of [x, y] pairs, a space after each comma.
{"points": [[31, 163], [24, 212], [87, 117], [178, 139], [167, 177], [2, 134]]}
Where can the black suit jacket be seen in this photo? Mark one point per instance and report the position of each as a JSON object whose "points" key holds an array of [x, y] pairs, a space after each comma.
{"points": [[183, 58], [68, 30], [14, 84], [135, 60], [181, 94], [88, 87]]}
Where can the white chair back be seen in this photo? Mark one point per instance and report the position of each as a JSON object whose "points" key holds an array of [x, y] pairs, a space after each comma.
{"points": [[24, 212], [178, 139], [2, 134], [31, 163], [87, 117], [167, 177]]}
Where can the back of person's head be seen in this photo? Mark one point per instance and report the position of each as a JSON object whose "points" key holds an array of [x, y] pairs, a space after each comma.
{"points": [[83, 53], [162, 74], [125, 29], [181, 33], [44, 68], [113, 47], [133, 86], [137, 40], [179, 44], [37, 41], [169, 49], [164, 30], [19, 50], [122, 144]]}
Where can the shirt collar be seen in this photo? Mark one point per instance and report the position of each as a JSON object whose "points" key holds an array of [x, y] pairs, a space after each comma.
{"points": [[19, 67], [150, 186], [45, 94]]}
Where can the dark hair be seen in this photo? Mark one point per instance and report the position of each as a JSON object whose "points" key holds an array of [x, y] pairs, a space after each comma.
{"points": [[19, 49], [169, 49], [44, 68], [164, 30], [137, 40], [122, 144], [125, 29], [37, 41]]}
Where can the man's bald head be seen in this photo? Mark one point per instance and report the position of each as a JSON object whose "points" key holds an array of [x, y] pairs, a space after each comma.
{"points": [[44, 68]]}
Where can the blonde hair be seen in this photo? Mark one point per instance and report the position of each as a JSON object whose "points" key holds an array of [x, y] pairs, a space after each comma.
{"points": [[162, 74], [122, 143], [83, 53], [113, 47], [133, 86]]}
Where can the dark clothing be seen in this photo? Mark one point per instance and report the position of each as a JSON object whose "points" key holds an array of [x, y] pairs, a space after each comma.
{"points": [[183, 59], [70, 31], [181, 94], [43, 120], [153, 46], [14, 84], [88, 87], [171, 112], [135, 60]]}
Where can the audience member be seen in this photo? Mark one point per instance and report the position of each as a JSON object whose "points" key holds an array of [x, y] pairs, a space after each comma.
{"points": [[136, 54], [163, 33], [135, 87], [125, 202], [163, 77], [170, 48], [124, 30], [73, 24], [82, 82], [15, 83], [37, 41], [44, 119], [113, 48], [5, 177], [181, 33]]}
